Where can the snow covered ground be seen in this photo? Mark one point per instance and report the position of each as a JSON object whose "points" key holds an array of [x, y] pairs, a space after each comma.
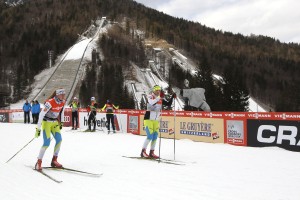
{"points": [[211, 171]]}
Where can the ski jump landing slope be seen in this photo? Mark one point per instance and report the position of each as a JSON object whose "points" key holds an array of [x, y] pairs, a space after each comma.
{"points": [[67, 71]]}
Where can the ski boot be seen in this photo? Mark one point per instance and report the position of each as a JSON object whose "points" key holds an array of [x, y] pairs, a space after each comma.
{"points": [[38, 165], [152, 155], [144, 154], [54, 163]]}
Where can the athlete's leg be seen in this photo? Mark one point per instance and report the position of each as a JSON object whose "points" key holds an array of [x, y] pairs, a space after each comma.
{"points": [[46, 130], [57, 136], [155, 134]]}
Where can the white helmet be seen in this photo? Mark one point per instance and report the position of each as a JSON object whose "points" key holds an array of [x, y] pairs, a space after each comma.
{"points": [[93, 99], [75, 98], [60, 91]]}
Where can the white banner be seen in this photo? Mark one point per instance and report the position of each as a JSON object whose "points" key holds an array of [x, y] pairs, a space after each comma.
{"points": [[101, 122]]}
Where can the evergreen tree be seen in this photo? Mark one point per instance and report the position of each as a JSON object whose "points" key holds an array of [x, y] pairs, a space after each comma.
{"points": [[204, 79], [235, 93]]}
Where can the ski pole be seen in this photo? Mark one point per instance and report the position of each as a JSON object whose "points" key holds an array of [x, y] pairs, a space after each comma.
{"points": [[159, 140], [174, 126], [20, 149], [161, 114]]}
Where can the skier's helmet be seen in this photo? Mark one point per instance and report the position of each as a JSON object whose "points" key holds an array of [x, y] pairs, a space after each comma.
{"points": [[156, 88], [60, 91], [93, 99]]}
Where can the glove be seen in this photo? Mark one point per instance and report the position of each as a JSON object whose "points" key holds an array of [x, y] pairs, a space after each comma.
{"points": [[157, 98], [37, 132], [61, 125]]}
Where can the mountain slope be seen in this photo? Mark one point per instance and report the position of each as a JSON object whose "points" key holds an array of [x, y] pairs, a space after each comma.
{"points": [[266, 64]]}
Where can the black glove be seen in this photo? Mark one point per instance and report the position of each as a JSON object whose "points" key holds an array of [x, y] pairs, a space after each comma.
{"points": [[61, 125]]}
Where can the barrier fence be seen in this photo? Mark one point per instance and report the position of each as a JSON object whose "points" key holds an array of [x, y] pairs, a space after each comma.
{"points": [[253, 129]]}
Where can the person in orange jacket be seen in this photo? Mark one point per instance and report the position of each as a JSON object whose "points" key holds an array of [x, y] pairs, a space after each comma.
{"points": [[51, 122]]}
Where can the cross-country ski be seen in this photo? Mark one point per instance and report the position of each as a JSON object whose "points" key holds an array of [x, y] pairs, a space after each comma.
{"points": [[158, 160], [48, 176], [72, 170]]}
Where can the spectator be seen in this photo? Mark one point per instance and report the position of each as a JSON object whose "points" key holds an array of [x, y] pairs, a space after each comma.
{"points": [[92, 112], [26, 109], [109, 108], [35, 112], [75, 105]]}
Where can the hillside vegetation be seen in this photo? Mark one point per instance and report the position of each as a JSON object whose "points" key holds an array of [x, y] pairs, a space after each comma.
{"points": [[269, 68]]}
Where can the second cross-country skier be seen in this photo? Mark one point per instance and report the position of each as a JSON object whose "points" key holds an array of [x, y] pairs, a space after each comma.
{"points": [[152, 119]]}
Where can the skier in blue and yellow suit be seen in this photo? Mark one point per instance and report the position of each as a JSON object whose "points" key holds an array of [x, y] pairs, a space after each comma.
{"points": [[51, 120], [152, 117]]}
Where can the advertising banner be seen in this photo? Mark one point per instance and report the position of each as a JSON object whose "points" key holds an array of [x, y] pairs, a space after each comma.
{"points": [[284, 134], [196, 129], [67, 117], [133, 124], [18, 117], [101, 122], [235, 132]]}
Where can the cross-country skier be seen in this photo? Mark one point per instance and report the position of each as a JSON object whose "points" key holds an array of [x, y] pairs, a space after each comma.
{"points": [[51, 120], [109, 107], [152, 118]]}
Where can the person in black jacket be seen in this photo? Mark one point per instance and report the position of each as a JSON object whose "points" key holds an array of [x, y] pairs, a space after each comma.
{"points": [[109, 108]]}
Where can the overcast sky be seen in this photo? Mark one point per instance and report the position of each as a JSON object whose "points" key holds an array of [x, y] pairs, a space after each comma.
{"points": [[279, 19]]}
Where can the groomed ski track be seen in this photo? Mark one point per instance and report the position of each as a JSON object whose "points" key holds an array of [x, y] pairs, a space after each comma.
{"points": [[211, 171]]}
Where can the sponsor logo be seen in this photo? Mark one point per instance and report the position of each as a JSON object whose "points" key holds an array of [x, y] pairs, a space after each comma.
{"points": [[213, 115], [198, 129], [67, 118], [259, 115], [164, 127], [270, 134], [233, 115], [134, 111], [194, 114], [281, 133], [205, 134], [287, 116]]}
